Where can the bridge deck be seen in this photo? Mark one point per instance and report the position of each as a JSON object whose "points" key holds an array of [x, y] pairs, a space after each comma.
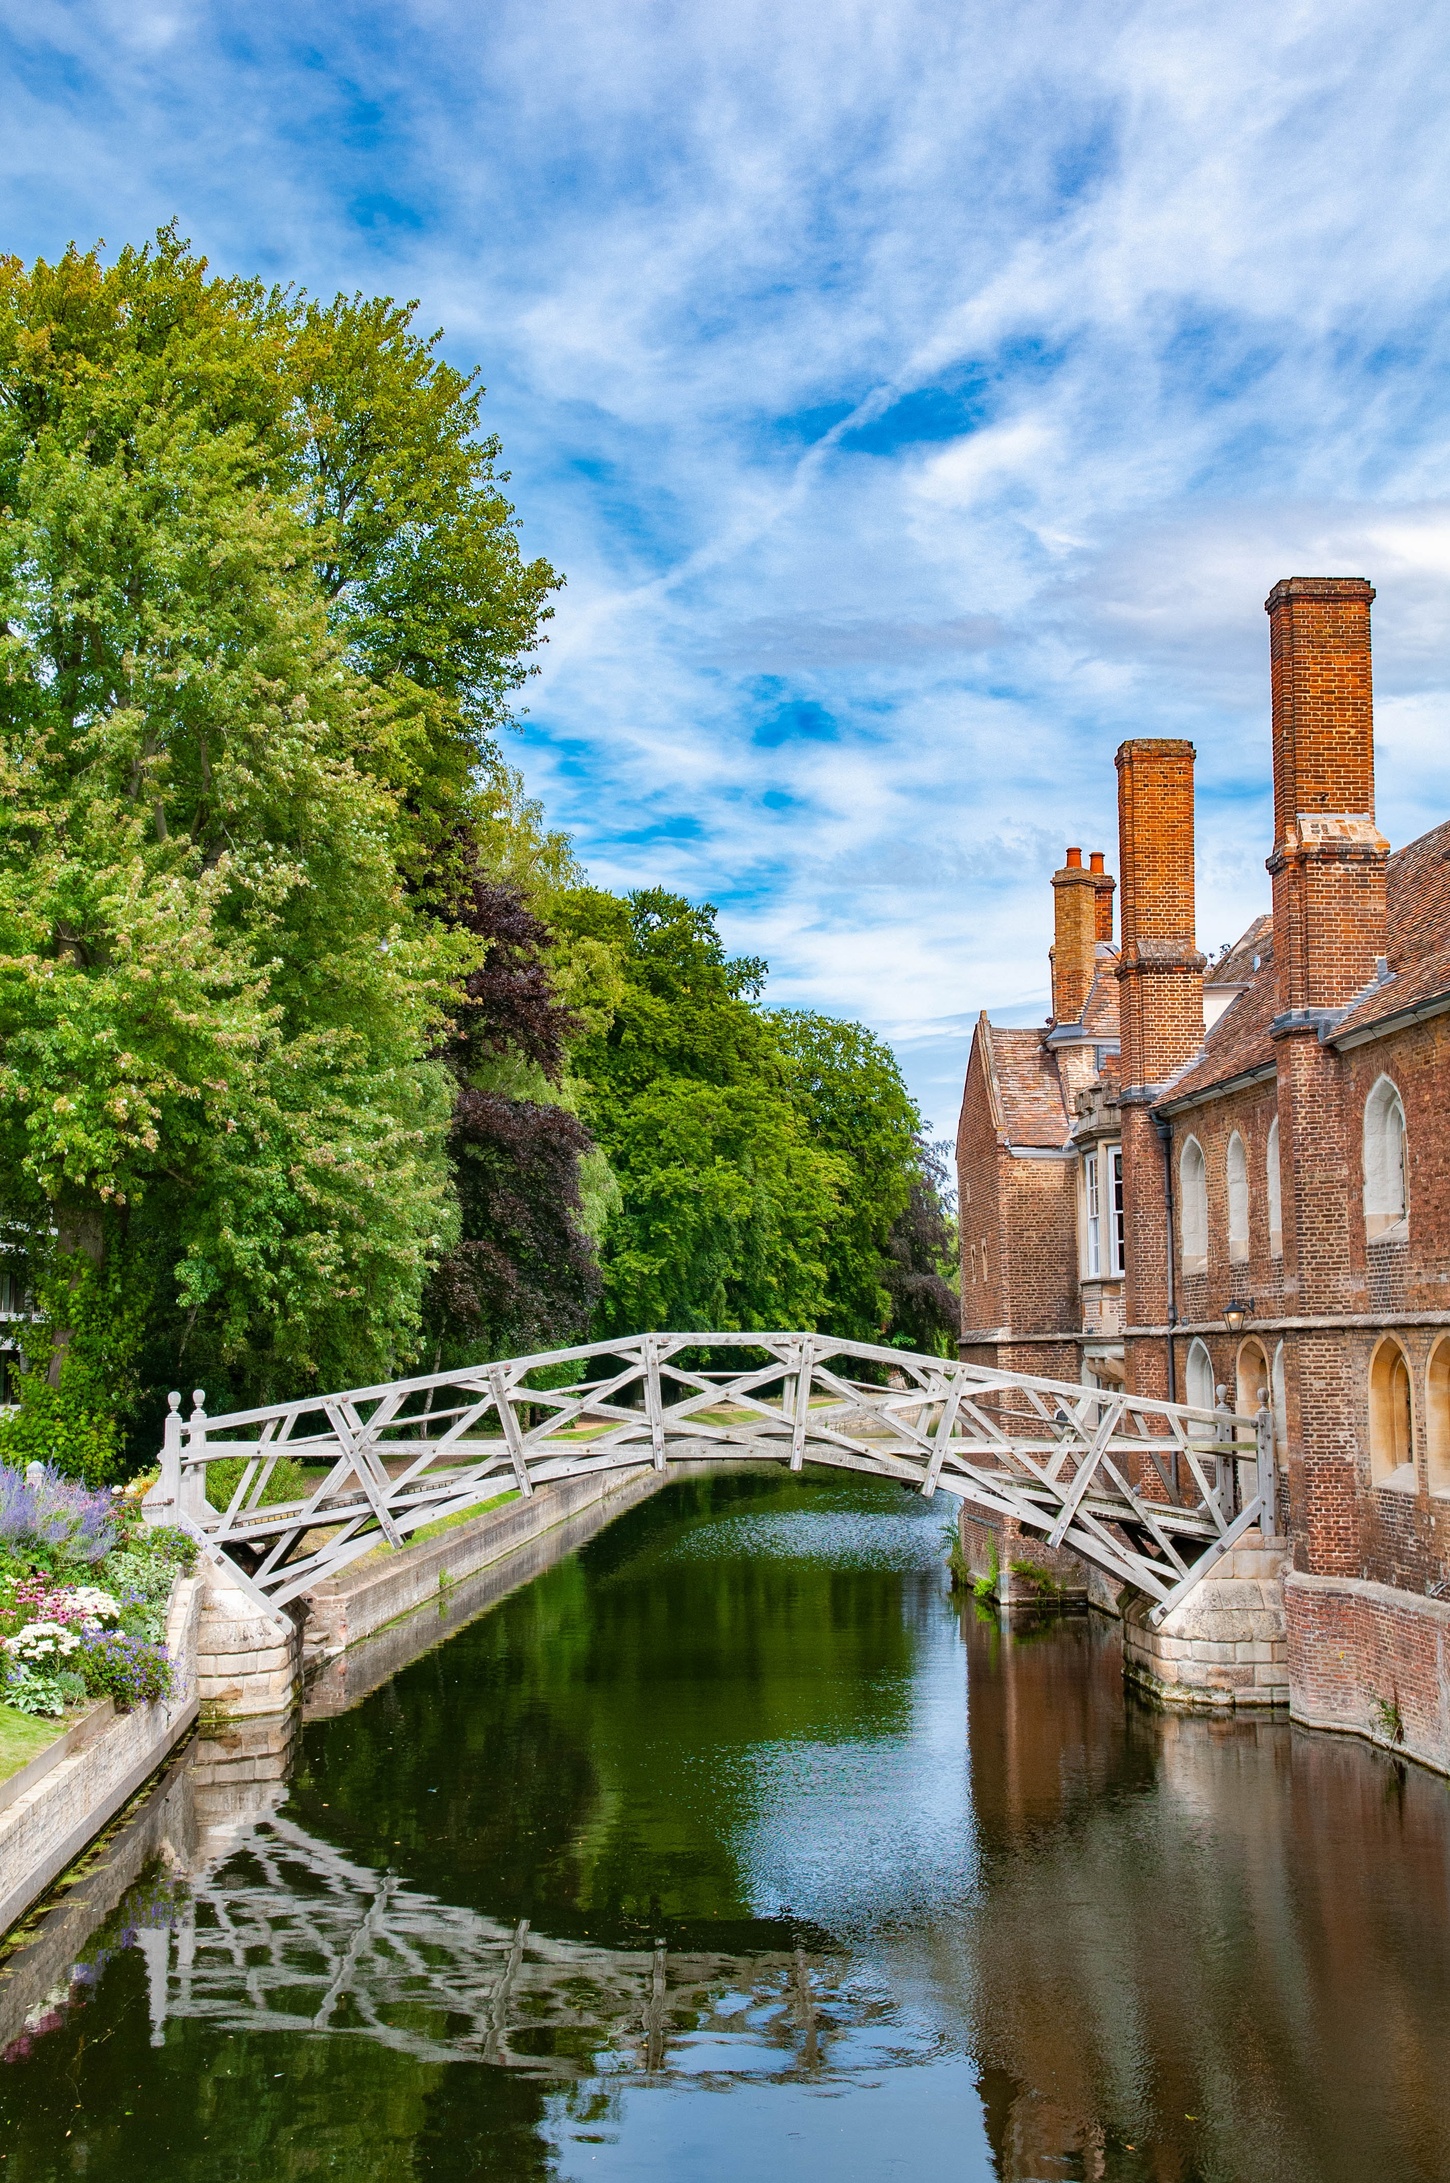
{"points": [[1150, 1492]]}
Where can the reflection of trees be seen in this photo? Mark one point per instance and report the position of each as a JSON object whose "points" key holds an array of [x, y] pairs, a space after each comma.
{"points": [[577, 1757]]}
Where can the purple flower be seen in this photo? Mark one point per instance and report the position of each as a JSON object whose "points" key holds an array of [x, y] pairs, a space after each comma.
{"points": [[54, 1511]]}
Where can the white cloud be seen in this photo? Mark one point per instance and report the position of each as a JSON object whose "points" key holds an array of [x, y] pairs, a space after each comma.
{"points": [[1164, 289]]}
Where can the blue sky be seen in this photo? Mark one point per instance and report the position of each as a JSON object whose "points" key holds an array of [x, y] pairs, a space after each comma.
{"points": [[919, 399]]}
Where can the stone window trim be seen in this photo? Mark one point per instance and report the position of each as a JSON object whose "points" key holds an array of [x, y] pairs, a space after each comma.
{"points": [[1236, 1167], [1198, 1380], [1103, 1237], [1193, 1207], [1273, 1176], [1391, 1420], [1437, 1418], [1386, 1165]]}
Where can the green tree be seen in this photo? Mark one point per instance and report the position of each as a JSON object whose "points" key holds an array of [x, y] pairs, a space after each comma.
{"points": [[726, 1205], [846, 1083], [244, 644]]}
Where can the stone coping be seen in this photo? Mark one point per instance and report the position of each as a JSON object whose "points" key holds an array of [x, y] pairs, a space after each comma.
{"points": [[75, 1787], [81, 1732], [366, 1598]]}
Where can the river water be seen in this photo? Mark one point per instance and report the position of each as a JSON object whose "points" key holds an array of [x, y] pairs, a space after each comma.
{"points": [[733, 1846]]}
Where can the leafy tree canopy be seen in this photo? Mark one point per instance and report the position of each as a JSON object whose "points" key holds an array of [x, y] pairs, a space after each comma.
{"points": [[261, 605]]}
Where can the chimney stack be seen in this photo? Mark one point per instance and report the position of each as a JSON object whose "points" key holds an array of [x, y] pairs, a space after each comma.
{"points": [[1329, 857], [1160, 970], [1075, 922], [1105, 885]]}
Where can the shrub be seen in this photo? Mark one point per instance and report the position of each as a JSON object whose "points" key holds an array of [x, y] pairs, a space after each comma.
{"points": [[35, 1690], [128, 1670], [288, 1481], [51, 1522]]}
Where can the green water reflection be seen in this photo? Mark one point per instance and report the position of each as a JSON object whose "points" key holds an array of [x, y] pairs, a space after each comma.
{"points": [[731, 1846]]}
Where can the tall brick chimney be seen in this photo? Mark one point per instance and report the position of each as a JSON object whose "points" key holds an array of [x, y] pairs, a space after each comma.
{"points": [[1160, 970], [1329, 857], [1074, 939], [1104, 883], [1160, 1007], [1328, 868]]}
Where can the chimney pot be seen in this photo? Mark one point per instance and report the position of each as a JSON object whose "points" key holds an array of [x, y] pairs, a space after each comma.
{"points": [[1095, 861], [1074, 860]]}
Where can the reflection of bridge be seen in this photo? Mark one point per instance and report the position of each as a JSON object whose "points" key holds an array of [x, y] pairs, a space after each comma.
{"points": [[1145, 1490], [287, 1934]]}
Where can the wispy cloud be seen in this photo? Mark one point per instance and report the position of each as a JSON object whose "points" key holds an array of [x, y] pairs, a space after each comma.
{"points": [[918, 397]]}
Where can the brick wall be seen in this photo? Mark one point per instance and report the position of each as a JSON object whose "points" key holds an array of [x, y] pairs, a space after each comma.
{"points": [[979, 1210], [1365, 1658]]}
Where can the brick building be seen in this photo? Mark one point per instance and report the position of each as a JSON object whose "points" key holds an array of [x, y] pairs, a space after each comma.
{"points": [[1266, 1135]]}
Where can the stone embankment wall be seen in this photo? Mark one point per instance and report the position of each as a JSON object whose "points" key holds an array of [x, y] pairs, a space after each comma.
{"points": [[51, 1809], [376, 1592]]}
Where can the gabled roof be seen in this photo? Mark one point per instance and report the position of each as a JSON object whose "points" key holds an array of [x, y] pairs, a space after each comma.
{"points": [[1028, 1089]]}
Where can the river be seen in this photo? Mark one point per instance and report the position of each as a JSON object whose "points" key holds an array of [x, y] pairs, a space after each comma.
{"points": [[734, 1846]]}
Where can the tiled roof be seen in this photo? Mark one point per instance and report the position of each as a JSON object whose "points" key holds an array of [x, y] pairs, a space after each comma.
{"points": [[1028, 1088], [1245, 957], [1100, 1009], [1239, 1041], [1419, 930], [1418, 883]]}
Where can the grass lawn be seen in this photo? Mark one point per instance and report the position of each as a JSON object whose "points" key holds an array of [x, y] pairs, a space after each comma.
{"points": [[444, 1523], [23, 1734]]}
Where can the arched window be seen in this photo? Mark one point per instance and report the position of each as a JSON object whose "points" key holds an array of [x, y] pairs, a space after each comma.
{"points": [[1193, 1206], [1437, 1417], [1253, 1377], [1276, 1192], [1391, 1426], [1238, 1198], [1198, 1387], [1386, 1195]]}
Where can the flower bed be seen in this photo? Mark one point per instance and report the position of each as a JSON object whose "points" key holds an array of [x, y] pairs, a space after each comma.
{"points": [[83, 1591]]}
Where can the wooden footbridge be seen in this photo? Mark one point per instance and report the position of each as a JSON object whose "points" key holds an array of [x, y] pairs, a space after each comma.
{"points": [[1152, 1493]]}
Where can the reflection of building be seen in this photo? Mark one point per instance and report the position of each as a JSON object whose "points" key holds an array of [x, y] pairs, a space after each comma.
{"points": [[1266, 1140], [1173, 1957]]}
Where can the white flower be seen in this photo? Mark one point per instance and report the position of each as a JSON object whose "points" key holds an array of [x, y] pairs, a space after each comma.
{"points": [[42, 1641], [96, 1606]]}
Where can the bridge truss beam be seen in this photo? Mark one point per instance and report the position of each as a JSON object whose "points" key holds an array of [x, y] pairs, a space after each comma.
{"points": [[1146, 1491]]}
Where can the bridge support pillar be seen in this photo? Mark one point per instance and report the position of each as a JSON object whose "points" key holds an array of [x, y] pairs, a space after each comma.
{"points": [[1226, 1644]]}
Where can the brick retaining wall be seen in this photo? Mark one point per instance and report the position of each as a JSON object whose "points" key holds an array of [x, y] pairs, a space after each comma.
{"points": [[1371, 1660]]}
